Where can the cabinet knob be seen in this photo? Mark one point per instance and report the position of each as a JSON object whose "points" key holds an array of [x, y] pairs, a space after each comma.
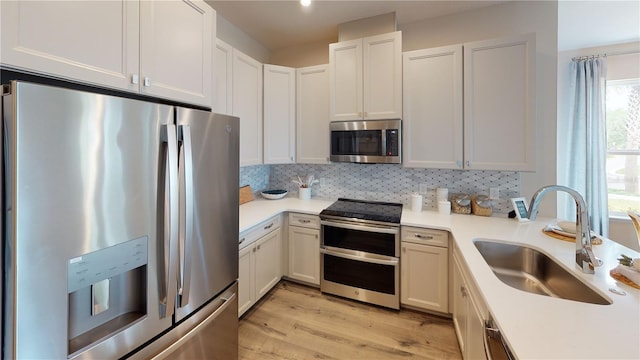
{"points": [[366, 114], [316, 236], [404, 249], [253, 250], [468, 163], [259, 247]]}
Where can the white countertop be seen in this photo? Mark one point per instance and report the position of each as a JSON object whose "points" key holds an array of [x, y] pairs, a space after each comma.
{"points": [[536, 326]]}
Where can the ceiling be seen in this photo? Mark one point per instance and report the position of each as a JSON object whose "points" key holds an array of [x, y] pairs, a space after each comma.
{"points": [[286, 23]]}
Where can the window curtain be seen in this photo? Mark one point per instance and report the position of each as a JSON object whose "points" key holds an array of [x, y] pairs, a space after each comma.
{"points": [[587, 143]]}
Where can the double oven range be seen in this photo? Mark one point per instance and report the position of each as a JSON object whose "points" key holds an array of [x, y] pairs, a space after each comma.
{"points": [[360, 251]]}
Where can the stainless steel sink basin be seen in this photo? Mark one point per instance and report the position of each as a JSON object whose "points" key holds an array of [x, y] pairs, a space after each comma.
{"points": [[528, 269]]}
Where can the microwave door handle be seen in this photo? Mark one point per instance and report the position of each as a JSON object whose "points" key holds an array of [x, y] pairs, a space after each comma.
{"points": [[171, 222], [187, 228], [383, 145]]}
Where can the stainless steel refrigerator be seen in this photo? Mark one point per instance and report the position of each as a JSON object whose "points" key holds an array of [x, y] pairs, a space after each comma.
{"points": [[120, 228]]}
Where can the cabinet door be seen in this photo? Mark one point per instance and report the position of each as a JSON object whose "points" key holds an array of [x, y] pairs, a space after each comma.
{"points": [[247, 105], [223, 72], [279, 114], [475, 332], [460, 312], [176, 47], [246, 279], [382, 76], [345, 80], [268, 262], [94, 42], [424, 277], [312, 123], [432, 95], [304, 254], [499, 104]]}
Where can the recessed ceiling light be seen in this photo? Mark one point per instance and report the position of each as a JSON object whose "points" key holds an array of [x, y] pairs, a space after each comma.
{"points": [[305, 2]]}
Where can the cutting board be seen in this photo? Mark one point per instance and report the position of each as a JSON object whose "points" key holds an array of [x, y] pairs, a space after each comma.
{"points": [[246, 194]]}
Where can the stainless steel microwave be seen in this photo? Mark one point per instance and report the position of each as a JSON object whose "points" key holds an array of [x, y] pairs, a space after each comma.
{"points": [[368, 141]]}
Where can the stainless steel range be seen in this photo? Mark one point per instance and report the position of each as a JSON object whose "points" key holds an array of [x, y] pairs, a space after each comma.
{"points": [[361, 251]]}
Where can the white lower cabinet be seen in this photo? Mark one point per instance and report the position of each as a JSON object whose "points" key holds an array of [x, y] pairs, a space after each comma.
{"points": [[259, 263], [304, 248], [469, 312], [424, 269]]}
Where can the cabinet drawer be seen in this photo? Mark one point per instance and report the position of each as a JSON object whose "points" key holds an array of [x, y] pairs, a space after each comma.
{"points": [[425, 236], [304, 220], [251, 235]]}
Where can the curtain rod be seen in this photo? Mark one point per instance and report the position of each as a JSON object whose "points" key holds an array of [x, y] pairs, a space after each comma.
{"points": [[614, 53]]}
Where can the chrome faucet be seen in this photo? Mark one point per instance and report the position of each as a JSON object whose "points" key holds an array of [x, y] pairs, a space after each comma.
{"points": [[585, 259]]}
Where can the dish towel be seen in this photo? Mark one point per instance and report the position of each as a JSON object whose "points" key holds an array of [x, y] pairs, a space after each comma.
{"points": [[629, 273]]}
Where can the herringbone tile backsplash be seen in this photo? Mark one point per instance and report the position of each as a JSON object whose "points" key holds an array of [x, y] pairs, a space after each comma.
{"points": [[384, 182]]}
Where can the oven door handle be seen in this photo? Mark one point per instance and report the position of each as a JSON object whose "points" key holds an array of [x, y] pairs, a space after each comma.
{"points": [[369, 227], [359, 256]]}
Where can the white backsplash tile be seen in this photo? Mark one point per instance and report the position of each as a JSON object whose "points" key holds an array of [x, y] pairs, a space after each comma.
{"points": [[384, 182]]}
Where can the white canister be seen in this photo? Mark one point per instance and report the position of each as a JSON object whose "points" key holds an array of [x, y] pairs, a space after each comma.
{"points": [[416, 202], [442, 194], [304, 193], [444, 207]]}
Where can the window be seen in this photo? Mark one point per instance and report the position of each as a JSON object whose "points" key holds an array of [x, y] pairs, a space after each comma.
{"points": [[623, 145]]}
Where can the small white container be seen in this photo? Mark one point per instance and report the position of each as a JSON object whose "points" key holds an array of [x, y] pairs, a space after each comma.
{"points": [[442, 194], [304, 193], [416, 202], [444, 207]]}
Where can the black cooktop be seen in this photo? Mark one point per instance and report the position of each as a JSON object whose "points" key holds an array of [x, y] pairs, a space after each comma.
{"points": [[364, 210]]}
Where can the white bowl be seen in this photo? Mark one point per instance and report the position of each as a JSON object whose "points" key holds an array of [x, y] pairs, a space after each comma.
{"points": [[274, 194]]}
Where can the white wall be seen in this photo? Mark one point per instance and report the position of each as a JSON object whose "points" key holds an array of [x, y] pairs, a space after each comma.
{"points": [[237, 38], [519, 17]]}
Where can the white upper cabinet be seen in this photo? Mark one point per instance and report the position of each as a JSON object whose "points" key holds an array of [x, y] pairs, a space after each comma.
{"points": [[176, 50], [366, 78], [499, 104], [88, 41], [432, 95], [312, 121], [471, 106], [159, 48], [247, 105], [223, 78], [279, 114]]}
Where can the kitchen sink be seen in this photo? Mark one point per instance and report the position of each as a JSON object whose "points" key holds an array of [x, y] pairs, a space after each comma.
{"points": [[528, 269]]}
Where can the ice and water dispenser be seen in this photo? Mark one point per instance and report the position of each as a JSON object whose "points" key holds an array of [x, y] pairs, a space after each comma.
{"points": [[107, 292]]}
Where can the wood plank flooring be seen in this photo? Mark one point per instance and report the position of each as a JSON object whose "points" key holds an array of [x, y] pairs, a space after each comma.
{"points": [[294, 321]]}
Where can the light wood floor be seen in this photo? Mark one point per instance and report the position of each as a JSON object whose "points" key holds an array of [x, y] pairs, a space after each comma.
{"points": [[298, 322]]}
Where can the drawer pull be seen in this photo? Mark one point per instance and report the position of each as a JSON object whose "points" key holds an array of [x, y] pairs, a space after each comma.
{"points": [[304, 221], [241, 241], [427, 237], [268, 226]]}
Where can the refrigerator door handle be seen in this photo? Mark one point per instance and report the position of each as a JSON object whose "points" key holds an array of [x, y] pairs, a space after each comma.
{"points": [[187, 229], [172, 225]]}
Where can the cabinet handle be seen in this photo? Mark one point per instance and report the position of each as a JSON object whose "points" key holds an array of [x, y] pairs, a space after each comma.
{"points": [[147, 81], [366, 114], [241, 241], [253, 250], [427, 237], [316, 236], [463, 291], [304, 221], [259, 247], [468, 163], [268, 226], [134, 78], [404, 249]]}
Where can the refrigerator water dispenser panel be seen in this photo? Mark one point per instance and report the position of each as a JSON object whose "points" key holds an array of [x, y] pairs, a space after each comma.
{"points": [[106, 293], [105, 263]]}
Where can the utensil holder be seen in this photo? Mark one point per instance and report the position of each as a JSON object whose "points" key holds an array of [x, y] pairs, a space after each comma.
{"points": [[304, 193]]}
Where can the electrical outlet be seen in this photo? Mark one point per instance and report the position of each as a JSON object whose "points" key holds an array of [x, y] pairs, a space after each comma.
{"points": [[494, 193], [323, 182], [266, 180], [424, 188]]}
